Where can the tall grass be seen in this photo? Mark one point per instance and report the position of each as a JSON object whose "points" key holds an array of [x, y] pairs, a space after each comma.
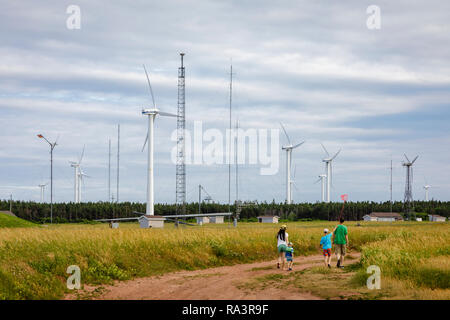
{"points": [[33, 261]]}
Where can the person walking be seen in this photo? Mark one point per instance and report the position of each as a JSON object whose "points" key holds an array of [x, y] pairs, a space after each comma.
{"points": [[340, 240], [282, 241], [325, 242]]}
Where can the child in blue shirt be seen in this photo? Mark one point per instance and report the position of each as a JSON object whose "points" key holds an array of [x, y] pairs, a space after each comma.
{"points": [[325, 242], [290, 256]]}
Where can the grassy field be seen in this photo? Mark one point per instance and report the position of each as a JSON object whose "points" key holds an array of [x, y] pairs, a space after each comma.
{"points": [[7, 221], [414, 257]]}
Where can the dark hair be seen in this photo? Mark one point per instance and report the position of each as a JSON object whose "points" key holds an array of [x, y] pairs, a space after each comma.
{"points": [[341, 220], [282, 234]]}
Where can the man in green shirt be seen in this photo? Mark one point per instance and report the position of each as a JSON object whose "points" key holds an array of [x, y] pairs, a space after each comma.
{"points": [[340, 240]]}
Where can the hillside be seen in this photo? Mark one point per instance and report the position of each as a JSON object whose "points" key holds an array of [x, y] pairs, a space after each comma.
{"points": [[10, 221]]}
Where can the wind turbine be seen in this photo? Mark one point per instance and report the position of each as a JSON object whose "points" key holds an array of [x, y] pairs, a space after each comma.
{"points": [[328, 170], [322, 178], [408, 186], [77, 177], [289, 149], [151, 113], [42, 186], [426, 187]]}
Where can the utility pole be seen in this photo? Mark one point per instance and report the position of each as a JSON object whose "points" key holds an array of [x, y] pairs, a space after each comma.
{"points": [[109, 171], [118, 161], [199, 198], [52, 146]]}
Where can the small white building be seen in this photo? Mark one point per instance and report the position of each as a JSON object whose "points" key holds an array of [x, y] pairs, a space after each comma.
{"points": [[268, 219], [147, 221], [216, 219], [202, 220], [418, 219], [436, 218], [383, 216]]}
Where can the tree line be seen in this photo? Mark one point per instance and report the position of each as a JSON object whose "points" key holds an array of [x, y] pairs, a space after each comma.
{"points": [[78, 212]]}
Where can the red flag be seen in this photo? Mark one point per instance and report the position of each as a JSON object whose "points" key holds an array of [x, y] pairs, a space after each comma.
{"points": [[344, 197], [40, 135]]}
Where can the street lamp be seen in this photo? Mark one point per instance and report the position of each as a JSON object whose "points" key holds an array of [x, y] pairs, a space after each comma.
{"points": [[52, 146]]}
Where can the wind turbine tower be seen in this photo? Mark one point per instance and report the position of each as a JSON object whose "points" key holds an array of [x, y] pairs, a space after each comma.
{"points": [[151, 113], [78, 176], [329, 171], [42, 186], [408, 200], [426, 187], [289, 149], [322, 179]]}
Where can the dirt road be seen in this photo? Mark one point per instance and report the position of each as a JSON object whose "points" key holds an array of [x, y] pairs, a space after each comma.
{"points": [[220, 283]]}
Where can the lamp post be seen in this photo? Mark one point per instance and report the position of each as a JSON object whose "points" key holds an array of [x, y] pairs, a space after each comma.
{"points": [[52, 146]]}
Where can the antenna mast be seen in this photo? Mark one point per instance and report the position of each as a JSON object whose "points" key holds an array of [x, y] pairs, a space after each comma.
{"points": [[391, 184], [118, 161], [181, 124], [229, 147]]}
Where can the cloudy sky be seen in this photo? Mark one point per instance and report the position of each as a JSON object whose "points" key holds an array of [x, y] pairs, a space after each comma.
{"points": [[313, 65]]}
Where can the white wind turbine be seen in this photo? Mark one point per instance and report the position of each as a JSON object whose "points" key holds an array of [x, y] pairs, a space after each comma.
{"points": [[426, 187], [42, 186], [329, 171], [151, 113], [78, 176], [289, 149], [322, 179]]}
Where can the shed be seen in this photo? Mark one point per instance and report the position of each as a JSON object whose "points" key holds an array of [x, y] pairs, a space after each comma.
{"points": [[383, 216], [202, 220], [367, 217], [147, 221], [436, 218], [268, 219], [216, 219]]}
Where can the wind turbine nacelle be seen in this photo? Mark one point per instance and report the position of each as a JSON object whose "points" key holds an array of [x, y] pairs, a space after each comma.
{"points": [[150, 112]]}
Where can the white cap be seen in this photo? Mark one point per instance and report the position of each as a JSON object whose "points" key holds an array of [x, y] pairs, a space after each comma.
{"points": [[325, 230]]}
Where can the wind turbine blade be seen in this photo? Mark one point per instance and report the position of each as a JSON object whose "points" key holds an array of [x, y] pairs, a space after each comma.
{"points": [[295, 169], [284, 130], [145, 142], [414, 160], [82, 154], [298, 145], [326, 151], [150, 86], [167, 114], [406, 157], [57, 138], [318, 181], [336, 154]]}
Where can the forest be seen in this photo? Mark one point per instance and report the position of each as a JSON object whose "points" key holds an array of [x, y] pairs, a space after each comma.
{"points": [[83, 212]]}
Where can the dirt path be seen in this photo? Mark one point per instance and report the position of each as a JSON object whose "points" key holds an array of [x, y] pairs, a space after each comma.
{"points": [[216, 283]]}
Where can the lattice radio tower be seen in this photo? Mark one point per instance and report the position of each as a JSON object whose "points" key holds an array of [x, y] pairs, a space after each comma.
{"points": [[181, 124], [408, 201]]}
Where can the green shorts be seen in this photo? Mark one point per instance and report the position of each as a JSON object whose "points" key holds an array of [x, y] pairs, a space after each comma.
{"points": [[282, 248]]}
